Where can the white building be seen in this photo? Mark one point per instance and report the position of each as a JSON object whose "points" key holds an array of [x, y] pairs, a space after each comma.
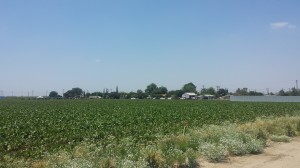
{"points": [[189, 95], [95, 97]]}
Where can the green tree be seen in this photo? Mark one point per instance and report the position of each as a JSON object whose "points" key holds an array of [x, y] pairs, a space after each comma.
{"points": [[294, 92], [222, 92], [254, 93], [150, 88], [162, 90], [241, 92], [211, 91], [74, 93], [131, 95], [281, 93], [53, 94], [140, 94], [114, 95], [189, 87], [175, 93]]}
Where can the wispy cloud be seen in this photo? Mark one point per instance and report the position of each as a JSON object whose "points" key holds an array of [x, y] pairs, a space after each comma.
{"points": [[97, 60], [282, 25]]}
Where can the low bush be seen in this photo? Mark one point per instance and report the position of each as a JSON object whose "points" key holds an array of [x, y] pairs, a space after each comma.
{"points": [[281, 138]]}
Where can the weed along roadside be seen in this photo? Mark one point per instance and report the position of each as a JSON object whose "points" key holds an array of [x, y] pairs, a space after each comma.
{"points": [[139, 133]]}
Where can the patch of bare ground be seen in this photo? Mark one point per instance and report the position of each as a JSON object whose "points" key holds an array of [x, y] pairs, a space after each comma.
{"points": [[277, 155]]}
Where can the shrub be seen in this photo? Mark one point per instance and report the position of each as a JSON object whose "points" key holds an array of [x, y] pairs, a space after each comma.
{"points": [[153, 157], [289, 131], [281, 138], [255, 146], [234, 145], [298, 126], [214, 153], [261, 135]]}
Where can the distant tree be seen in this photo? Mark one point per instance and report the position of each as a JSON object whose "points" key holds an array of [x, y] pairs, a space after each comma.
{"points": [[189, 87], [241, 92], [131, 95], [291, 92], [163, 90], [244, 92], [75, 92], [53, 94], [123, 95], [222, 92], [294, 92], [140, 94], [211, 91], [254, 93], [96, 94], [175, 93], [159, 92], [151, 88], [114, 95], [87, 94]]}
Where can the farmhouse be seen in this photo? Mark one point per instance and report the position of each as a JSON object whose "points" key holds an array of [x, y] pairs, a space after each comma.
{"points": [[206, 97], [189, 95], [95, 97]]}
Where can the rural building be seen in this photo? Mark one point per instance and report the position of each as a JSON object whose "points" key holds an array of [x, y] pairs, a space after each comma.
{"points": [[94, 97], [206, 97], [189, 95]]}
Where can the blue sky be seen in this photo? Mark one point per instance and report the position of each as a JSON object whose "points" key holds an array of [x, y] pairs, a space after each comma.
{"points": [[61, 44]]}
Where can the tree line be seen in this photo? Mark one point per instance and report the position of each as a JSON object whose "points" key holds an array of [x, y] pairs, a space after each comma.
{"points": [[154, 91]]}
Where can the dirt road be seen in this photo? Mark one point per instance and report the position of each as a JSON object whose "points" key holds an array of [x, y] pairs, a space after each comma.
{"points": [[278, 155]]}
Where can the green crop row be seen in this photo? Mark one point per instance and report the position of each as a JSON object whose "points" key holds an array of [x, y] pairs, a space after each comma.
{"points": [[31, 128]]}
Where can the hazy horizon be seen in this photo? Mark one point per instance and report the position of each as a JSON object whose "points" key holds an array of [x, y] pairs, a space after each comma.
{"points": [[56, 45]]}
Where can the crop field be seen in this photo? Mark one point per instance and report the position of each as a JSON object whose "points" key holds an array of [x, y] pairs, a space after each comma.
{"points": [[30, 128]]}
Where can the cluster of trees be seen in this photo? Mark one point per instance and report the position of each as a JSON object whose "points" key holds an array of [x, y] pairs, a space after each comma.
{"points": [[245, 92], [292, 92], [153, 91], [73, 93]]}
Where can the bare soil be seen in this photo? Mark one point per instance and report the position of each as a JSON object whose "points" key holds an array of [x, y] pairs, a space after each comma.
{"points": [[277, 155]]}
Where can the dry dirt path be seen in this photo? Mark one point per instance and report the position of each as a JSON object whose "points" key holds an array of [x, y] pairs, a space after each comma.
{"points": [[278, 155]]}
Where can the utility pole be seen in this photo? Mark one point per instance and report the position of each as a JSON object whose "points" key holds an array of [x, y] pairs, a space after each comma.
{"points": [[32, 93], [297, 84]]}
